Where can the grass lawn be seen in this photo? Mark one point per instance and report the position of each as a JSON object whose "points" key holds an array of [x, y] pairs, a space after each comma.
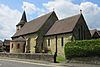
{"points": [[60, 58]]}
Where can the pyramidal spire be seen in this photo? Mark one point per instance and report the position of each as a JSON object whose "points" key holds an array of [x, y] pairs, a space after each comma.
{"points": [[23, 19], [22, 22]]}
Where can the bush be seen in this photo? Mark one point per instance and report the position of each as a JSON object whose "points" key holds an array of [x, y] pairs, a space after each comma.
{"points": [[84, 48]]}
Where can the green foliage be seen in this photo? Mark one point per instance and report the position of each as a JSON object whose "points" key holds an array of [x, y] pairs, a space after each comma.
{"points": [[60, 58], [84, 48]]}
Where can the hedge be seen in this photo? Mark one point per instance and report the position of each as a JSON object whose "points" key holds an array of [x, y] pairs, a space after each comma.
{"points": [[84, 48]]}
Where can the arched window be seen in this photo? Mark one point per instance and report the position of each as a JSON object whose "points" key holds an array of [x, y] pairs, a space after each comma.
{"points": [[12, 46], [79, 33], [18, 46], [48, 41], [62, 41]]}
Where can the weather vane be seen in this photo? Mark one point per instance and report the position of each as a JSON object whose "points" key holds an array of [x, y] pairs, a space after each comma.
{"points": [[53, 9], [24, 7]]}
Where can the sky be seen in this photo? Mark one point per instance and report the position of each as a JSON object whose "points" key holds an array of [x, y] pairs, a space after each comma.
{"points": [[11, 12]]}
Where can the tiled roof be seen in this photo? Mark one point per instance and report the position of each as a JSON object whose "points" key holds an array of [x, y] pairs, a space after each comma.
{"points": [[64, 26], [94, 31], [7, 42], [1, 43], [19, 39], [33, 26]]}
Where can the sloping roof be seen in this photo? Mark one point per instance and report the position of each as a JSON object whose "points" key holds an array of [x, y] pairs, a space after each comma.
{"points": [[1, 43], [19, 39], [99, 32], [64, 26], [6, 42], [23, 19], [94, 31], [33, 26]]}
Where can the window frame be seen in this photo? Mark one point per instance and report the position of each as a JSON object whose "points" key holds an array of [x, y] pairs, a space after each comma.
{"points": [[18, 46], [12, 45], [62, 41], [48, 41]]}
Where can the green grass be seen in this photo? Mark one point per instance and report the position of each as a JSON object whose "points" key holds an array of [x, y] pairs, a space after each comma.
{"points": [[60, 59]]}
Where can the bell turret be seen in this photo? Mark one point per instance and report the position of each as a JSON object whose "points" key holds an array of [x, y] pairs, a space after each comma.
{"points": [[22, 22]]}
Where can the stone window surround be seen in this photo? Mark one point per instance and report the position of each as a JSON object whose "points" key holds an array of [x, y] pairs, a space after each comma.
{"points": [[18, 46], [12, 45]]}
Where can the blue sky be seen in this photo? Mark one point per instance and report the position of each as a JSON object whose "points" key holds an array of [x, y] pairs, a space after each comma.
{"points": [[17, 4], [11, 11]]}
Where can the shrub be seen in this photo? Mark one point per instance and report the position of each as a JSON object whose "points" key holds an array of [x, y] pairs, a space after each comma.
{"points": [[84, 48]]}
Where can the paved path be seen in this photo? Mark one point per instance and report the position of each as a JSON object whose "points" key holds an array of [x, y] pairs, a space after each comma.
{"points": [[81, 65], [14, 63], [11, 62]]}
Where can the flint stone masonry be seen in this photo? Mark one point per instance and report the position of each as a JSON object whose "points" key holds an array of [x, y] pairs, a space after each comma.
{"points": [[37, 56]]}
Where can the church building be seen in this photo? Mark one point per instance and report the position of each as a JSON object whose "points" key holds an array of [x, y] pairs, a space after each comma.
{"points": [[48, 34]]}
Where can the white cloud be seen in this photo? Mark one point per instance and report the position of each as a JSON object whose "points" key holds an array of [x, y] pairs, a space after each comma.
{"points": [[32, 9], [8, 19], [90, 7], [92, 14], [64, 8], [29, 7]]}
